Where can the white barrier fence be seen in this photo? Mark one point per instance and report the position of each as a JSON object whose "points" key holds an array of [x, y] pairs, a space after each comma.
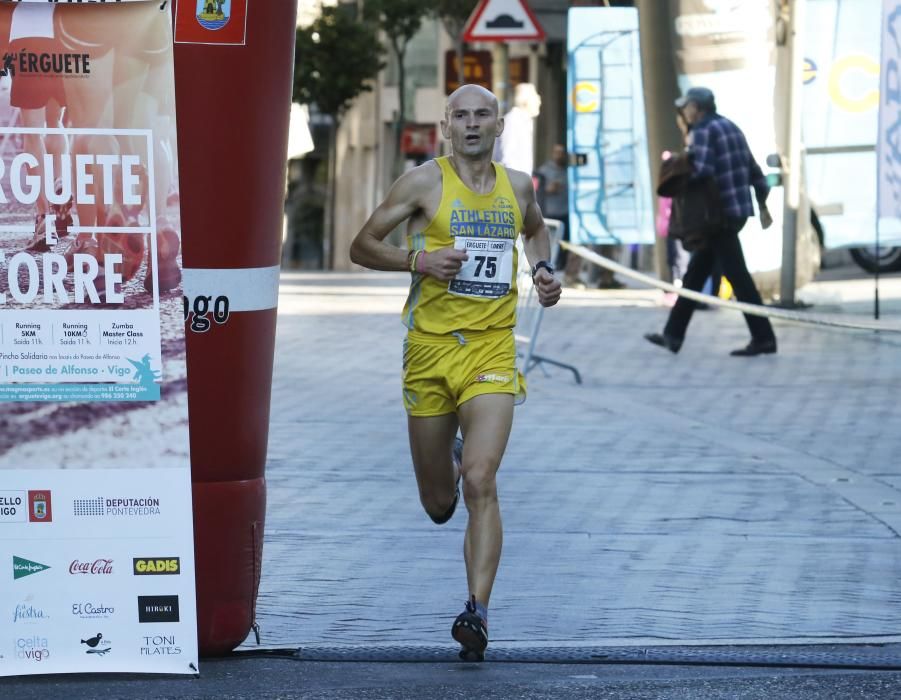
{"points": [[804, 317], [529, 312]]}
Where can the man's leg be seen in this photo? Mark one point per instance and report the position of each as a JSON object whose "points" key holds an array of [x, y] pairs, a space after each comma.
{"points": [[698, 271], [486, 420], [732, 259], [431, 442]]}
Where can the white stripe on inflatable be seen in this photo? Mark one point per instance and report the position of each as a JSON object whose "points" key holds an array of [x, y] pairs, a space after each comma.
{"points": [[247, 289], [832, 320]]}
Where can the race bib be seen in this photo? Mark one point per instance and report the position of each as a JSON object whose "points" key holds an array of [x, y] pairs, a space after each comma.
{"points": [[489, 271]]}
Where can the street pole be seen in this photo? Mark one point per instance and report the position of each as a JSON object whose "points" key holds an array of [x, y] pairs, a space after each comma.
{"points": [[792, 166], [502, 74]]}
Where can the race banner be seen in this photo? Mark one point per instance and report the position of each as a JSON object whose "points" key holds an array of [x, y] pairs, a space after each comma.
{"points": [[96, 544]]}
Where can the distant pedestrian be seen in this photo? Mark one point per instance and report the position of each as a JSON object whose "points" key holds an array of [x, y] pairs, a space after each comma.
{"points": [[554, 199], [515, 147], [719, 150]]}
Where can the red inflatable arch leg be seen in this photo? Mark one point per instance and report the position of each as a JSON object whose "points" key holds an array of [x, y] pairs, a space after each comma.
{"points": [[233, 105]]}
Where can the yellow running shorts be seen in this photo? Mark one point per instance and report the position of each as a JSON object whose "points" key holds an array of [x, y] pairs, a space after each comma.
{"points": [[443, 371]]}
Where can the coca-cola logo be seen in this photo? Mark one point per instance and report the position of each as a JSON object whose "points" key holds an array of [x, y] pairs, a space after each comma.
{"points": [[96, 567]]}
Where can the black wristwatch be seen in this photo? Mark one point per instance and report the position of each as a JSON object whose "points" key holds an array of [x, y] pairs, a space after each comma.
{"points": [[542, 263]]}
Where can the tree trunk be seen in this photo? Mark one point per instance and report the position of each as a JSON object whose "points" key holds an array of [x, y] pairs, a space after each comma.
{"points": [[400, 51], [328, 233]]}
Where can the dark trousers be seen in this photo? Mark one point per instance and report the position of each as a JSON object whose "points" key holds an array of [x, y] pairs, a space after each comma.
{"points": [[726, 250]]}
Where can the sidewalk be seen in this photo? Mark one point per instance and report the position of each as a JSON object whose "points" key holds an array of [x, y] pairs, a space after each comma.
{"points": [[687, 499]]}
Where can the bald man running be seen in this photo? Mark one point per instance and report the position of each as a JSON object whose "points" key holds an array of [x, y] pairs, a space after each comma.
{"points": [[463, 215]]}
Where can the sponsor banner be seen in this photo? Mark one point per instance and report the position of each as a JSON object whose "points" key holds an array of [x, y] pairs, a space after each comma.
{"points": [[95, 489], [610, 193], [112, 568], [889, 148]]}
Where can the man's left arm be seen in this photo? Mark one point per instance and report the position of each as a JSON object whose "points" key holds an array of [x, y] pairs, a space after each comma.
{"points": [[761, 192], [536, 240]]}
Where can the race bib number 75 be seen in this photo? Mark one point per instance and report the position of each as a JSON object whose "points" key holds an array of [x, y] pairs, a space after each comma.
{"points": [[489, 271]]}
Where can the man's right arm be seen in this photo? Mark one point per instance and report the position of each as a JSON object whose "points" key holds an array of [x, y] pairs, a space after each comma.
{"points": [[369, 248], [702, 152], [405, 198]]}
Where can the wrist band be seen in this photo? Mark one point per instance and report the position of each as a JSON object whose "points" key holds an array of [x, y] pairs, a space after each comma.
{"points": [[412, 258], [419, 262]]}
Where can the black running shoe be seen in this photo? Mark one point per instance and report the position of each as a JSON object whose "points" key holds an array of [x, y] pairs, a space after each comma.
{"points": [[471, 631]]}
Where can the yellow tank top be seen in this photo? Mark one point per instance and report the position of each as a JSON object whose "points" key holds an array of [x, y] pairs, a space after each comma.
{"points": [[483, 294]]}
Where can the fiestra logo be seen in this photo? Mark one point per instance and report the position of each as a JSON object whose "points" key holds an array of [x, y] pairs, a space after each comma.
{"points": [[26, 567], [28, 63], [158, 566], [25, 613]]}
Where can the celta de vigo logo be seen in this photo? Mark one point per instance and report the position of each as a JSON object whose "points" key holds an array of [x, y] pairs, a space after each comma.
{"points": [[213, 14]]}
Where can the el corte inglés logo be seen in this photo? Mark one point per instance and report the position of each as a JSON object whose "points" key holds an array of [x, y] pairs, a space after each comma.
{"points": [[26, 567]]}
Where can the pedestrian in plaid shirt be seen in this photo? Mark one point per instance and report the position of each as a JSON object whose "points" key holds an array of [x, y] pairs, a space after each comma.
{"points": [[719, 149]]}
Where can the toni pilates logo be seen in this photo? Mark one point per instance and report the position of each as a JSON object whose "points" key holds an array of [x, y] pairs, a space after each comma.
{"points": [[26, 567], [213, 14], [29, 63]]}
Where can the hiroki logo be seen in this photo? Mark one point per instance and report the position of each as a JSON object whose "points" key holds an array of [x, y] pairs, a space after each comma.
{"points": [[32, 649], [98, 567], [26, 567], [92, 611], [160, 645], [97, 645], [34, 64], [158, 608], [26, 612]]}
